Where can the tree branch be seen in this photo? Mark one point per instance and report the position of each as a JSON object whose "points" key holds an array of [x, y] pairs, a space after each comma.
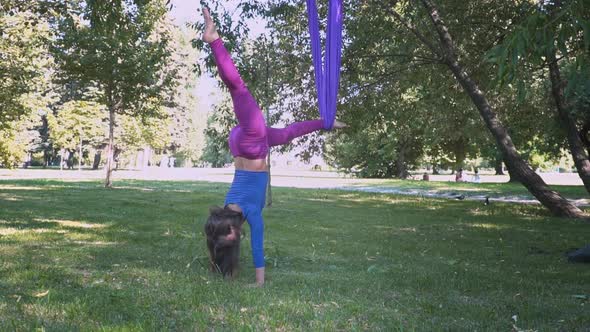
{"points": [[443, 33], [412, 28], [382, 79], [397, 55]]}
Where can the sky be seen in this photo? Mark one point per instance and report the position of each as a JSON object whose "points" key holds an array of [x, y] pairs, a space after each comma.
{"points": [[206, 91], [184, 11]]}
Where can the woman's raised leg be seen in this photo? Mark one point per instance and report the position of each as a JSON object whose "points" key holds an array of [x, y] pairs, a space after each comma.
{"points": [[245, 106], [281, 136]]}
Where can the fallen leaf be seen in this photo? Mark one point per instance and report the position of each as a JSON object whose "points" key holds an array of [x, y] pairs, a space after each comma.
{"points": [[41, 294]]}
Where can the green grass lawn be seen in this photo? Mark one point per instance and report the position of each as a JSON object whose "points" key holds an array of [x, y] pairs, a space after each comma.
{"points": [[490, 189], [75, 256]]}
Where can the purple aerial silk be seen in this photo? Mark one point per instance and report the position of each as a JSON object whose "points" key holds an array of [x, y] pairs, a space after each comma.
{"points": [[327, 77]]}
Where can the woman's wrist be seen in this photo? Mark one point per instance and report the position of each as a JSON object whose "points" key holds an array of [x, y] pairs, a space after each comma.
{"points": [[260, 276]]}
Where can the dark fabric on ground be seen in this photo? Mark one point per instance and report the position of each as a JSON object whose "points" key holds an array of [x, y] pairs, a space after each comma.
{"points": [[581, 255]]}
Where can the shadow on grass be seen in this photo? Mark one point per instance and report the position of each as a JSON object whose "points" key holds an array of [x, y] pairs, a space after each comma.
{"points": [[55, 228]]}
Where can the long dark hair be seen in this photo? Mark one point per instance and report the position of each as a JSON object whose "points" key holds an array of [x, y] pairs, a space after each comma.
{"points": [[224, 253]]}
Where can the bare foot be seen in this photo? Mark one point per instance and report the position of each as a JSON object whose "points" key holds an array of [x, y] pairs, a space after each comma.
{"points": [[210, 33], [339, 125]]}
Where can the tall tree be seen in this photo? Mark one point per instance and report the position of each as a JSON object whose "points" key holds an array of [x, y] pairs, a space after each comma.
{"points": [[554, 36], [415, 39], [120, 47], [216, 151], [77, 123], [133, 134], [187, 122], [19, 139], [444, 47], [373, 88], [25, 65]]}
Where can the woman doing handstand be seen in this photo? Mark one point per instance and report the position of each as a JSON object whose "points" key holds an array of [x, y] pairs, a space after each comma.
{"points": [[249, 143]]}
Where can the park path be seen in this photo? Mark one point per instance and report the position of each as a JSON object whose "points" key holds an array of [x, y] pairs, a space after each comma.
{"points": [[296, 179], [445, 194]]}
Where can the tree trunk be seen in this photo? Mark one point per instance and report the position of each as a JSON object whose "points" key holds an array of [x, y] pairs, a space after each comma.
{"points": [[459, 147], [116, 157], [435, 157], [97, 156], [266, 101], [585, 135], [61, 159], [435, 170], [498, 165], [268, 186], [46, 159], [401, 170], [513, 177], [557, 204], [28, 159], [573, 136], [110, 148], [70, 162], [47, 149], [80, 157]]}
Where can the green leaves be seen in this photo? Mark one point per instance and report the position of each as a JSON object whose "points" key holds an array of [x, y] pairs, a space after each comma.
{"points": [[561, 29], [216, 151], [24, 55], [78, 121], [123, 49], [586, 28], [25, 69]]}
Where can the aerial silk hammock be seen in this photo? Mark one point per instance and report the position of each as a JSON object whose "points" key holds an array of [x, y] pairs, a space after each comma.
{"points": [[327, 75]]}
